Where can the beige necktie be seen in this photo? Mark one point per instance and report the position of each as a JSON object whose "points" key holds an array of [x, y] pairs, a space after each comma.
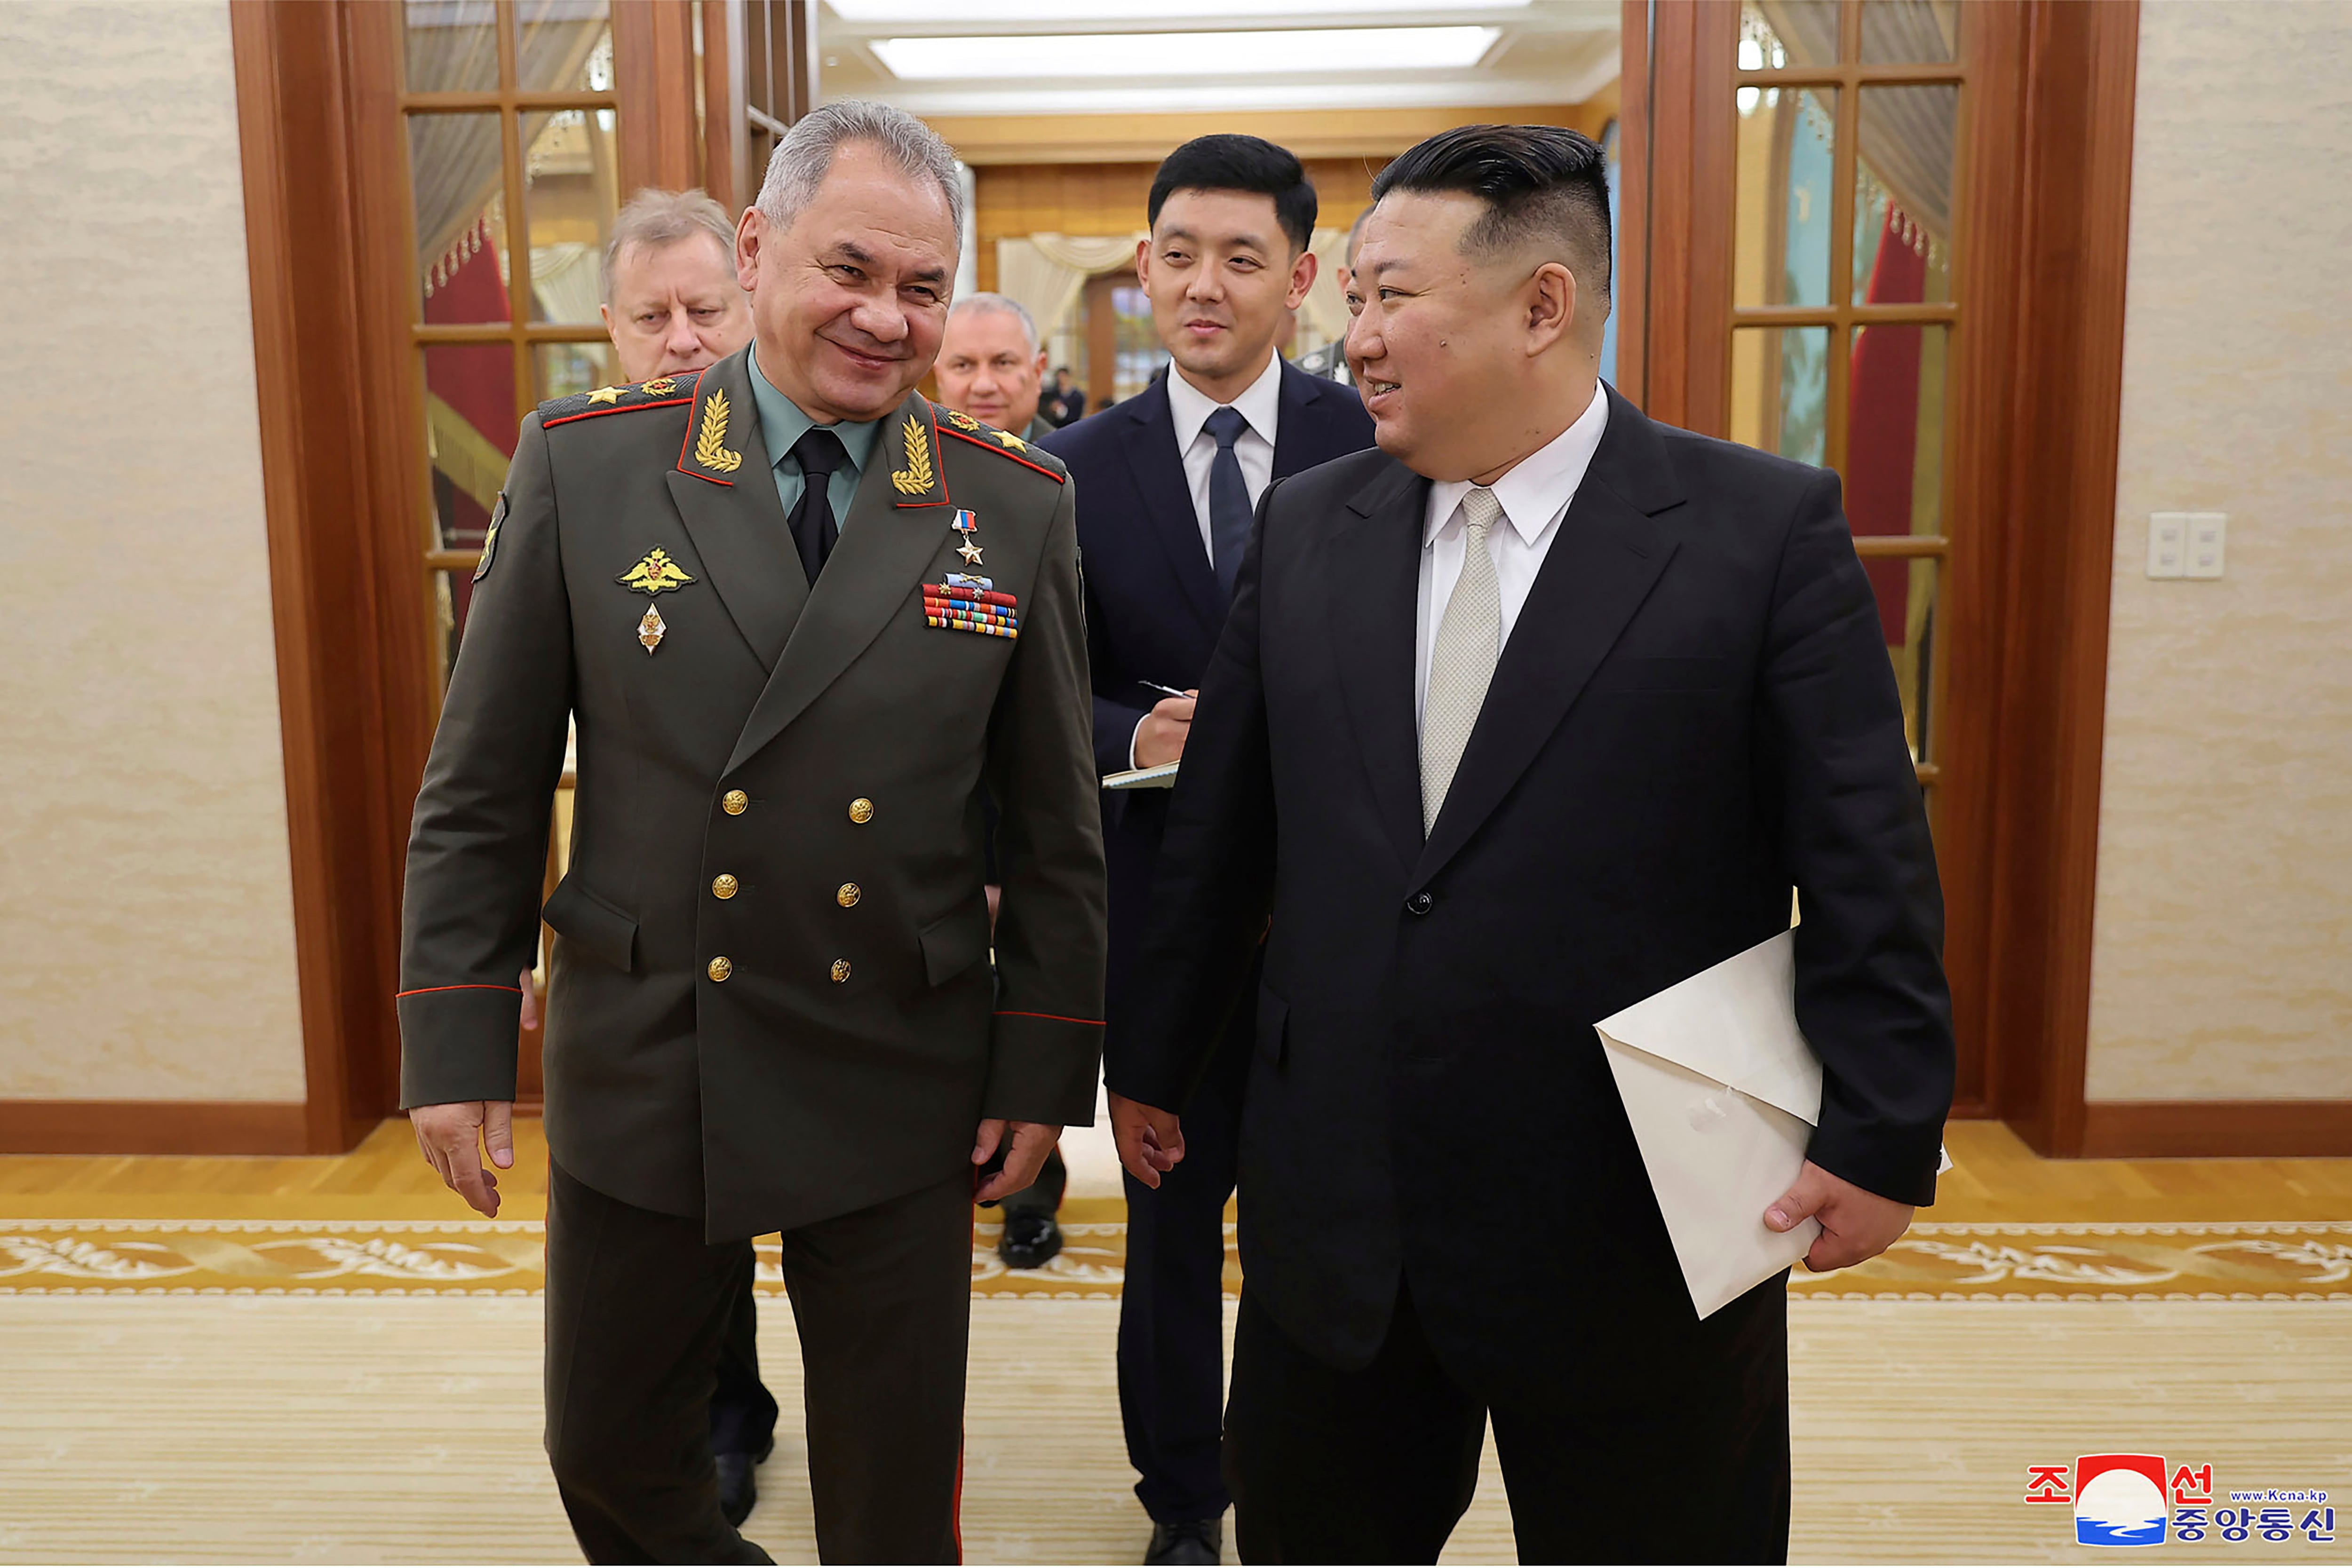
{"points": [[1469, 641]]}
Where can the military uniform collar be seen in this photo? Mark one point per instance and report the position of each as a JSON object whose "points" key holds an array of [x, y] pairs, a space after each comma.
{"points": [[782, 422]]}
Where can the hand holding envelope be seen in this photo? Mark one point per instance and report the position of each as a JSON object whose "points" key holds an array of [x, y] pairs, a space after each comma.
{"points": [[1723, 1093]]}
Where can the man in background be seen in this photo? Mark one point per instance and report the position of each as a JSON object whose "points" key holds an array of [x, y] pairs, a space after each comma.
{"points": [[991, 368], [991, 365], [1331, 360], [1066, 404], [1166, 484]]}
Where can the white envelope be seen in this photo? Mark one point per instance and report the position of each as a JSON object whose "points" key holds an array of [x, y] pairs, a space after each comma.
{"points": [[1722, 1092]]}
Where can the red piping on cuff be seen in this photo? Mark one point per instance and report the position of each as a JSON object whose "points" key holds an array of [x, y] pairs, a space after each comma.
{"points": [[1058, 1017], [428, 991]]}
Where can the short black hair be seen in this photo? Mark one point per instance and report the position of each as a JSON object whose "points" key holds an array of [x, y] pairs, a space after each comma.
{"points": [[1246, 163], [1538, 181]]}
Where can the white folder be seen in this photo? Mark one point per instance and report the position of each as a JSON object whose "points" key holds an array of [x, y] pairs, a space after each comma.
{"points": [[1723, 1094]]}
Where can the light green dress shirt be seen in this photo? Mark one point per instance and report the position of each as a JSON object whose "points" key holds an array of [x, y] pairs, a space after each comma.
{"points": [[782, 423]]}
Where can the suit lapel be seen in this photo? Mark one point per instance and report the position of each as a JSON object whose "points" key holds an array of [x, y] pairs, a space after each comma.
{"points": [[1374, 579], [1601, 566], [1148, 437], [1301, 441], [897, 523], [725, 490]]}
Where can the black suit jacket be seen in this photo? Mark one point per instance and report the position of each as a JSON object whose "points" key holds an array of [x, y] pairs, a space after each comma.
{"points": [[1153, 607], [1694, 712]]}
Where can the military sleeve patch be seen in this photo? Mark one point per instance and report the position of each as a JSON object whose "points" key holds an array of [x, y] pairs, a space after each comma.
{"points": [[490, 539]]}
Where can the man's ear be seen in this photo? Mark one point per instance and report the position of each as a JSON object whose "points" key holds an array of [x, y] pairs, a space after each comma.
{"points": [[1302, 278], [1143, 262], [1550, 298], [748, 235]]}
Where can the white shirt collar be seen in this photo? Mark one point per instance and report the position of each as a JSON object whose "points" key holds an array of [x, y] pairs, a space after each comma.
{"points": [[1541, 486], [1260, 403]]}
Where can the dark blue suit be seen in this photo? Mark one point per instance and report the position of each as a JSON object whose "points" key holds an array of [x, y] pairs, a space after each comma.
{"points": [[1154, 614]]}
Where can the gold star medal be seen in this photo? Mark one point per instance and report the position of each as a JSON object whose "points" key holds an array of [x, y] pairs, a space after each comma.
{"points": [[965, 524]]}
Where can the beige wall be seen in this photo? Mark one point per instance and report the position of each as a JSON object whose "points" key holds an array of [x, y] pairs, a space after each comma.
{"points": [[2222, 963], [146, 924]]}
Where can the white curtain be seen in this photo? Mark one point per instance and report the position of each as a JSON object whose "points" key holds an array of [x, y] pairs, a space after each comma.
{"points": [[1906, 140], [453, 159], [1325, 308], [1046, 272], [569, 280]]}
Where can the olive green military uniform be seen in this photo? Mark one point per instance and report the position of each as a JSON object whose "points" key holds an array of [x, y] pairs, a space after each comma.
{"points": [[773, 1008]]}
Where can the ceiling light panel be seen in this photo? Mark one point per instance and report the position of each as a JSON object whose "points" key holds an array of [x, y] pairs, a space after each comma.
{"points": [[1162, 55], [912, 13]]}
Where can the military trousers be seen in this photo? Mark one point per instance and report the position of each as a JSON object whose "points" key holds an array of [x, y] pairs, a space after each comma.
{"points": [[638, 1307]]}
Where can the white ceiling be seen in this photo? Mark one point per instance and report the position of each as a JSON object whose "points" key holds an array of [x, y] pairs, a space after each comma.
{"points": [[1541, 51]]}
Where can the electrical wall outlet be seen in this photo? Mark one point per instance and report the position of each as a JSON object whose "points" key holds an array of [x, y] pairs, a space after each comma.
{"points": [[2168, 543], [2209, 538]]}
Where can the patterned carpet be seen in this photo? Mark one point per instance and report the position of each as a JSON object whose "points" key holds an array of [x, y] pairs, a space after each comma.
{"points": [[2076, 1263], [278, 1428]]}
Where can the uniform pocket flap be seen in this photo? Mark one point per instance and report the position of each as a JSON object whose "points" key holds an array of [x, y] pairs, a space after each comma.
{"points": [[601, 931], [954, 943], [1273, 1025]]}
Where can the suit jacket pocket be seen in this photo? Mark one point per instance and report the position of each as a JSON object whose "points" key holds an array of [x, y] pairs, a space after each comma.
{"points": [[954, 943], [1273, 1026], [600, 930], [1691, 674]]}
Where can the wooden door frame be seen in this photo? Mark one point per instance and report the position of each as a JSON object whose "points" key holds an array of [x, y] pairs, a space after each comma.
{"points": [[2036, 395], [328, 241]]}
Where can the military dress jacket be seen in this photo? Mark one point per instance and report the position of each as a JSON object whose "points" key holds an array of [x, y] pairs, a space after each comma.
{"points": [[772, 1000]]}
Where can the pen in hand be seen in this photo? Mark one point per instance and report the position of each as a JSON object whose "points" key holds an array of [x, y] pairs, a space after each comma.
{"points": [[1156, 686]]}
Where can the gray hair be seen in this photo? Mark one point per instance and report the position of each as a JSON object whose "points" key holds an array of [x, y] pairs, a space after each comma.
{"points": [[1003, 305], [654, 219], [804, 156]]}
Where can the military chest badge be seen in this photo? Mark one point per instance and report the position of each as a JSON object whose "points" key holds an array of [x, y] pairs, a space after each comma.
{"points": [[654, 574], [966, 603]]}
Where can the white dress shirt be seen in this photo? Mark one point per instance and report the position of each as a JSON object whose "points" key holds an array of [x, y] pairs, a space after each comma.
{"points": [[1534, 497], [1189, 407], [1261, 404]]}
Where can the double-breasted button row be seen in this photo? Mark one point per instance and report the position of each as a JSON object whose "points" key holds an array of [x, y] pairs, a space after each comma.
{"points": [[861, 812], [735, 802]]}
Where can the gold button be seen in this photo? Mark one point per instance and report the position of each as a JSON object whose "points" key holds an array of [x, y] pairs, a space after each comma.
{"points": [[721, 968], [848, 895], [723, 885], [735, 802], [861, 809], [840, 970]]}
